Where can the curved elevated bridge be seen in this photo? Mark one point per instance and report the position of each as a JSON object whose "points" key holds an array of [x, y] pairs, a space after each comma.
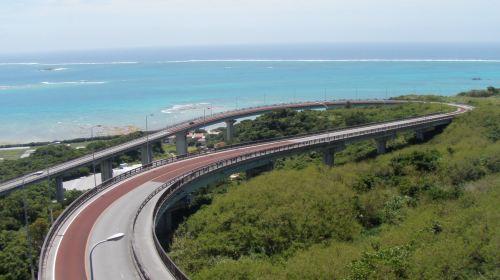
{"points": [[140, 202], [145, 143]]}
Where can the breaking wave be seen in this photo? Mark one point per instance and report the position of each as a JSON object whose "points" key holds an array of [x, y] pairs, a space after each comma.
{"points": [[328, 60], [81, 82], [54, 69], [186, 108]]}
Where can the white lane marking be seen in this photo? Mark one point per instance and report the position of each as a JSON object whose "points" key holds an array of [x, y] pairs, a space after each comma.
{"points": [[76, 214]]}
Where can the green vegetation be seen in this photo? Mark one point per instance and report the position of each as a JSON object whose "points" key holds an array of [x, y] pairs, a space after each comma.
{"points": [[278, 243], [14, 261], [41, 210], [12, 154], [490, 91], [50, 155], [425, 211], [289, 122]]}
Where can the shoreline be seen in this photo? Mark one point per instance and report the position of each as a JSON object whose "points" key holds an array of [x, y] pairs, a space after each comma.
{"points": [[67, 108]]}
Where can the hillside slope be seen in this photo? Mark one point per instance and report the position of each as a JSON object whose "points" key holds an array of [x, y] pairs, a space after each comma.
{"points": [[426, 211]]}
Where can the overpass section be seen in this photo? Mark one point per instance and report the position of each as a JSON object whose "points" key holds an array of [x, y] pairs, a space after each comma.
{"points": [[138, 202], [103, 158]]}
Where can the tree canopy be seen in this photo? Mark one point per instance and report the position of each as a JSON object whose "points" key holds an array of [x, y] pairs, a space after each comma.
{"points": [[426, 211]]}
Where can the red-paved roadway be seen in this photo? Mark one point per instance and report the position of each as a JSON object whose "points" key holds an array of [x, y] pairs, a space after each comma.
{"points": [[71, 255], [62, 168]]}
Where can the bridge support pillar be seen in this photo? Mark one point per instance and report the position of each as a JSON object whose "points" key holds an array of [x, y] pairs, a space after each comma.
{"points": [[59, 190], [419, 135], [181, 143], [230, 130], [167, 219], [146, 153], [382, 144], [329, 157], [249, 173], [106, 170], [329, 154]]}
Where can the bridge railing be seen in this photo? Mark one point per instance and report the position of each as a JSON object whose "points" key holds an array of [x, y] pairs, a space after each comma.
{"points": [[314, 133], [171, 187], [184, 125], [105, 185], [70, 209]]}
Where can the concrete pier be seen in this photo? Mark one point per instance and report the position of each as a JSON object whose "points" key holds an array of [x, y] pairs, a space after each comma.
{"points": [[329, 154], [381, 144], [59, 190], [166, 221], [146, 153], [252, 172], [230, 130], [419, 135], [181, 143], [329, 157], [106, 170]]}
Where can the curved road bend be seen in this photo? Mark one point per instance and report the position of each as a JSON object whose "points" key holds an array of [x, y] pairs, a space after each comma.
{"points": [[164, 133], [85, 227], [114, 209]]}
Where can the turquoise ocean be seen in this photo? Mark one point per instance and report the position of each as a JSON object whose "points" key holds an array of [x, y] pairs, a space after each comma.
{"points": [[60, 96]]}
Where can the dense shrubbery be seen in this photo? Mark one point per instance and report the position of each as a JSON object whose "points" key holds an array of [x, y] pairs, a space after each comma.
{"points": [[53, 154], [315, 223], [490, 91], [13, 243], [272, 221], [42, 157], [289, 122], [423, 212], [41, 209]]}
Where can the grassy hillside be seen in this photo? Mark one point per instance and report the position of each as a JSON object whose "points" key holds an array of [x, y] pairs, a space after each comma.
{"points": [[14, 262], [425, 211]]}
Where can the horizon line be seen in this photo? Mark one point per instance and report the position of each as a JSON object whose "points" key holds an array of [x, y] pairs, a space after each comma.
{"points": [[250, 60]]}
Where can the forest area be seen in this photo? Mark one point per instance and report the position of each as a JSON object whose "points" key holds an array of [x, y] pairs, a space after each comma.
{"points": [[367, 197], [422, 211]]}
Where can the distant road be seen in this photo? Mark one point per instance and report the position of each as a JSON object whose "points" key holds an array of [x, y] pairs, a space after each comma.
{"points": [[87, 160], [114, 209]]}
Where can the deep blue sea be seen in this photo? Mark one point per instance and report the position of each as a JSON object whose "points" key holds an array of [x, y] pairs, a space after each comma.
{"points": [[61, 95]]}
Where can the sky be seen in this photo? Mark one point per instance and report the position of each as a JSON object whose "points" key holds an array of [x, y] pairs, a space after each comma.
{"points": [[54, 25]]}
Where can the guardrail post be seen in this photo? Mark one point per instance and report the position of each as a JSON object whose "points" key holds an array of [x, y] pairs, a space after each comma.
{"points": [[59, 189], [106, 170], [146, 153], [181, 143], [230, 130]]}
